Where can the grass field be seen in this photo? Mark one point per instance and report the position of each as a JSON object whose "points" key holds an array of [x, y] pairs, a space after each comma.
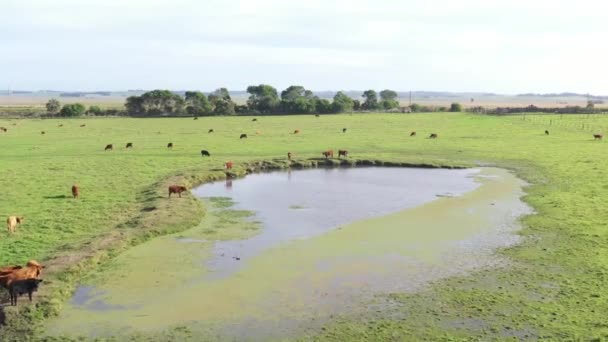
{"points": [[554, 290]]}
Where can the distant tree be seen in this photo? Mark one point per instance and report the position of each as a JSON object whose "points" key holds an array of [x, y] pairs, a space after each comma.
{"points": [[371, 100], [197, 103], [73, 109], [134, 105], [156, 103], [263, 98], [356, 105], [94, 110], [293, 92], [53, 106], [455, 107], [389, 99], [297, 100], [415, 108], [222, 102], [342, 103], [323, 106], [590, 105]]}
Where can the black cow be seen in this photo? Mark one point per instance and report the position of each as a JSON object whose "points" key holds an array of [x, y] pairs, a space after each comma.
{"points": [[243, 136], [205, 153]]}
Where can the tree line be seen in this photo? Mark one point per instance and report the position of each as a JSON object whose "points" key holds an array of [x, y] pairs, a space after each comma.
{"points": [[263, 99]]}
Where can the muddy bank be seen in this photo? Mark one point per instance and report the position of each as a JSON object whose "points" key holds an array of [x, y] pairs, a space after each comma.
{"points": [[296, 285]]}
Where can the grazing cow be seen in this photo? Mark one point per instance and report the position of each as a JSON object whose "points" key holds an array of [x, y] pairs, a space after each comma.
{"points": [[598, 136], [546, 132], [205, 153], [343, 130], [109, 147], [12, 222], [60, 125], [328, 154], [75, 191], [176, 189], [3, 129], [82, 125], [210, 131], [196, 118], [129, 145], [243, 136], [412, 134], [43, 132], [342, 153], [289, 155], [254, 119], [170, 145], [433, 136], [296, 131], [316, 115], [228, 165], [17, 288]]}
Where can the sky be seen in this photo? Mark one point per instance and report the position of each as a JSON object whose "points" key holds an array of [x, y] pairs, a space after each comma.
{"points": [[514, 46]]}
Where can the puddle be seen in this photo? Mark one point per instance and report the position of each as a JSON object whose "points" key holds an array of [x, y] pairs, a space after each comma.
{"points": [[361, 232]]}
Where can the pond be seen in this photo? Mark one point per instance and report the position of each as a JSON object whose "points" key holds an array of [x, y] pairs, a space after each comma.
{"points": [[327, 242]]}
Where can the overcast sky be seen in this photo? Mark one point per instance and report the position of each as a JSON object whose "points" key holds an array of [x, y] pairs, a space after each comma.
{"points": [[501, 46]]}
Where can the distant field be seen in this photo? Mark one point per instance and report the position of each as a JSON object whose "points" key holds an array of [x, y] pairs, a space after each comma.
{"points": [[555, 288]]}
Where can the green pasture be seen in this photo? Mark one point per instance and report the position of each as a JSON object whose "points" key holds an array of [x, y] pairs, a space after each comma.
{"points": [[555, 288]]}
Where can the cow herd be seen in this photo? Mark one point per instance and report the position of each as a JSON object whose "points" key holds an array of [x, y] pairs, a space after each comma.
{"points": [[20, 280]]}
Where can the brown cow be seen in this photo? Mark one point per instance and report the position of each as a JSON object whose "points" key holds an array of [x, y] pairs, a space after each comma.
{"points": [[12, 221], [433, 136], [598, 136], [109, 147], [296, 131], [413, 134], [328, 154], [75, 191], [32, 270], [170, 145], [129, 145], [289, 155], [228, 165], [177, 189], [6, 270], [17, 288], [342, 153]]}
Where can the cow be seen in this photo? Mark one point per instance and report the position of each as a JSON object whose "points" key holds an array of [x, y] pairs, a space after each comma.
{"points": [[109, 147], [60, 125], [254, 119], [6, 270], [328, 154], [243, 136], [205, 153], [176, 189], [170, 145], [598, 136], [342, 153], [75, 191], [210, 131], [258, 132], [228, 165], [289, 155], [3, 129], [32, 270], [129, 145], [43, 132], [317, 115], [196, 118], [546, 132], [413, 134], [12, 222], [433, 136], [82, 125], [343, 130], [17, 288], [296, 131]]}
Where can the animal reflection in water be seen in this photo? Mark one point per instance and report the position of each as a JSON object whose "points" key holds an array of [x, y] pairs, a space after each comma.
{"points": [[229, 183]]}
